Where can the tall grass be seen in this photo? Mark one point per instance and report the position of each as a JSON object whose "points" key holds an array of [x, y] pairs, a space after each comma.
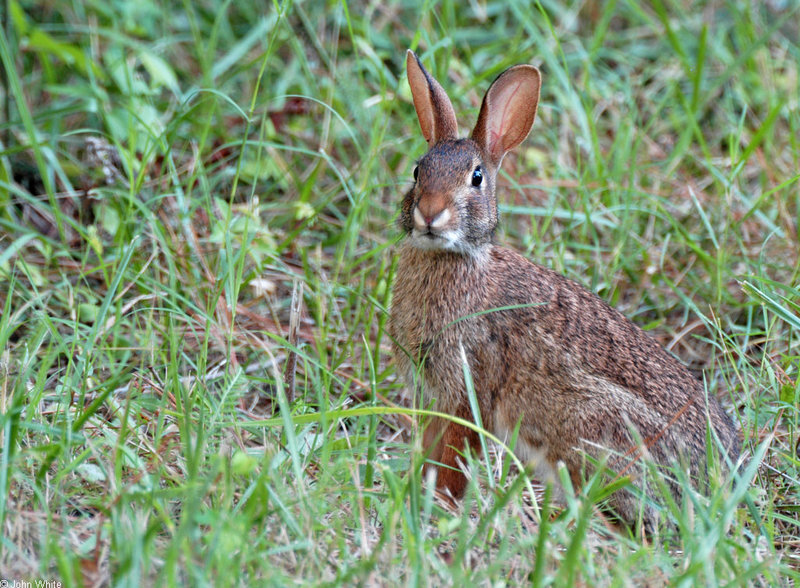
{"points": [[169, 174]]}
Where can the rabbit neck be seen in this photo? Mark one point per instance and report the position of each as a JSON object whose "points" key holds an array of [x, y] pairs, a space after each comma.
{"points": [[442, 267], [436, 289]]}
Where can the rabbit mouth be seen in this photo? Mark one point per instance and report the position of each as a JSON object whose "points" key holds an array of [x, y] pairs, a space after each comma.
{"points": [[429, 238], [445, 240]]}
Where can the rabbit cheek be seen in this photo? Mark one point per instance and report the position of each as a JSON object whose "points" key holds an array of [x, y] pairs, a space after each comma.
{"points": [[481, 220], [406, 212]]}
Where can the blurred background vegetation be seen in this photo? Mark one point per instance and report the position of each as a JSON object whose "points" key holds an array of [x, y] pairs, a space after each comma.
{"points": [[170, 173]]}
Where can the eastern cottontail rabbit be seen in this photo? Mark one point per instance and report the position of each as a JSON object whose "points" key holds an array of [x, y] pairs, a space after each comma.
{"points": [[578, 376]]}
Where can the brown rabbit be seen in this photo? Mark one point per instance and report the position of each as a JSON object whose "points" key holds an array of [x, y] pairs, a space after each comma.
{"points": [[579, 377]]}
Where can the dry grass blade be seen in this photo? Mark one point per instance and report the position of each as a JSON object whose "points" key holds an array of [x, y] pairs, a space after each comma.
{"points": [[295, 313]]}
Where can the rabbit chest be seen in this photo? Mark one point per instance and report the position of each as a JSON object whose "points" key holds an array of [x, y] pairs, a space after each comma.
{"points": [[437, 310]]}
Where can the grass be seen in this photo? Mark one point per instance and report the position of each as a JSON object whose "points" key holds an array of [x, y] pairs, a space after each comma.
{"points": [[170, 174]]}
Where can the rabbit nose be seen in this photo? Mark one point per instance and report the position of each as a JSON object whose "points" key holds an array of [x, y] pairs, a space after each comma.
{"points": [[431, 212], [431, 220]]}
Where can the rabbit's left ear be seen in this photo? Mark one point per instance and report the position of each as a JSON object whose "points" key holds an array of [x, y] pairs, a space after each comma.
{"points": [[437, 119], [508, 111]]}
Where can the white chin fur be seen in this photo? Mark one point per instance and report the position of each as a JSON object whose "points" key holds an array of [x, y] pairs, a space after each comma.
{"points": [[445, 241]]}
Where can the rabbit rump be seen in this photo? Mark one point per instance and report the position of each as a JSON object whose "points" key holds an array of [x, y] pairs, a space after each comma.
{"points": [[578, 377]]}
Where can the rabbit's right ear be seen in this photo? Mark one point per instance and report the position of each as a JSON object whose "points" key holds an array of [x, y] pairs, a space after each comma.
{"points": [[507, 112], [437, 119]]}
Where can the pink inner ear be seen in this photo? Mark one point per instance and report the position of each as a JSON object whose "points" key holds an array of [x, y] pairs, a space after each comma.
{"points": [[509, 110], [495, 144], [503, 126]]}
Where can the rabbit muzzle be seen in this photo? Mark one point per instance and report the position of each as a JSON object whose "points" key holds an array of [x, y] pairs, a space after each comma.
{"points": [[436, 230]]}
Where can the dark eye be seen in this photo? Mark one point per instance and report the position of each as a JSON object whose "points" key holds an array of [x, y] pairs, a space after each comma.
{"points": [[477, 177], [416, 173]]}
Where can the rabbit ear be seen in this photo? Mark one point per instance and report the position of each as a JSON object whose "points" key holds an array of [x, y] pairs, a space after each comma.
{"points": [[507, 112], [437, 119]]}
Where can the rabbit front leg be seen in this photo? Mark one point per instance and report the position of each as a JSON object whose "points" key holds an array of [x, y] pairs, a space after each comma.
{"points": [[444, 443]]}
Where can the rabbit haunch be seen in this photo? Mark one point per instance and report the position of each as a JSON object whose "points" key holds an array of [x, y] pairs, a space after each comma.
{"points": [[576, 375]]}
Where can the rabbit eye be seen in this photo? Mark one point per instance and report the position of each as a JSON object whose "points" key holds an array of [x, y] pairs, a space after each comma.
{"points": [[477, 177], [416, 172]]}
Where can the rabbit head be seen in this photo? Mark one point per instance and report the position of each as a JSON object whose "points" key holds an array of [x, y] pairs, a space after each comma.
{"points": [[452, 205]]}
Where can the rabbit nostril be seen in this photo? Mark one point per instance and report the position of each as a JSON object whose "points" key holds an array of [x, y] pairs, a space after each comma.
{"points": [[432, 221], [419, 219]]}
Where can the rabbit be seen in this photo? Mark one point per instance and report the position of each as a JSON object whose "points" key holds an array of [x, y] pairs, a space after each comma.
{"points": [[544, 354]]}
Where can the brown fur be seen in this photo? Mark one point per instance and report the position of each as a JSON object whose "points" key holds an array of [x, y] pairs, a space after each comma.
{"points": [[577, 374]]}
